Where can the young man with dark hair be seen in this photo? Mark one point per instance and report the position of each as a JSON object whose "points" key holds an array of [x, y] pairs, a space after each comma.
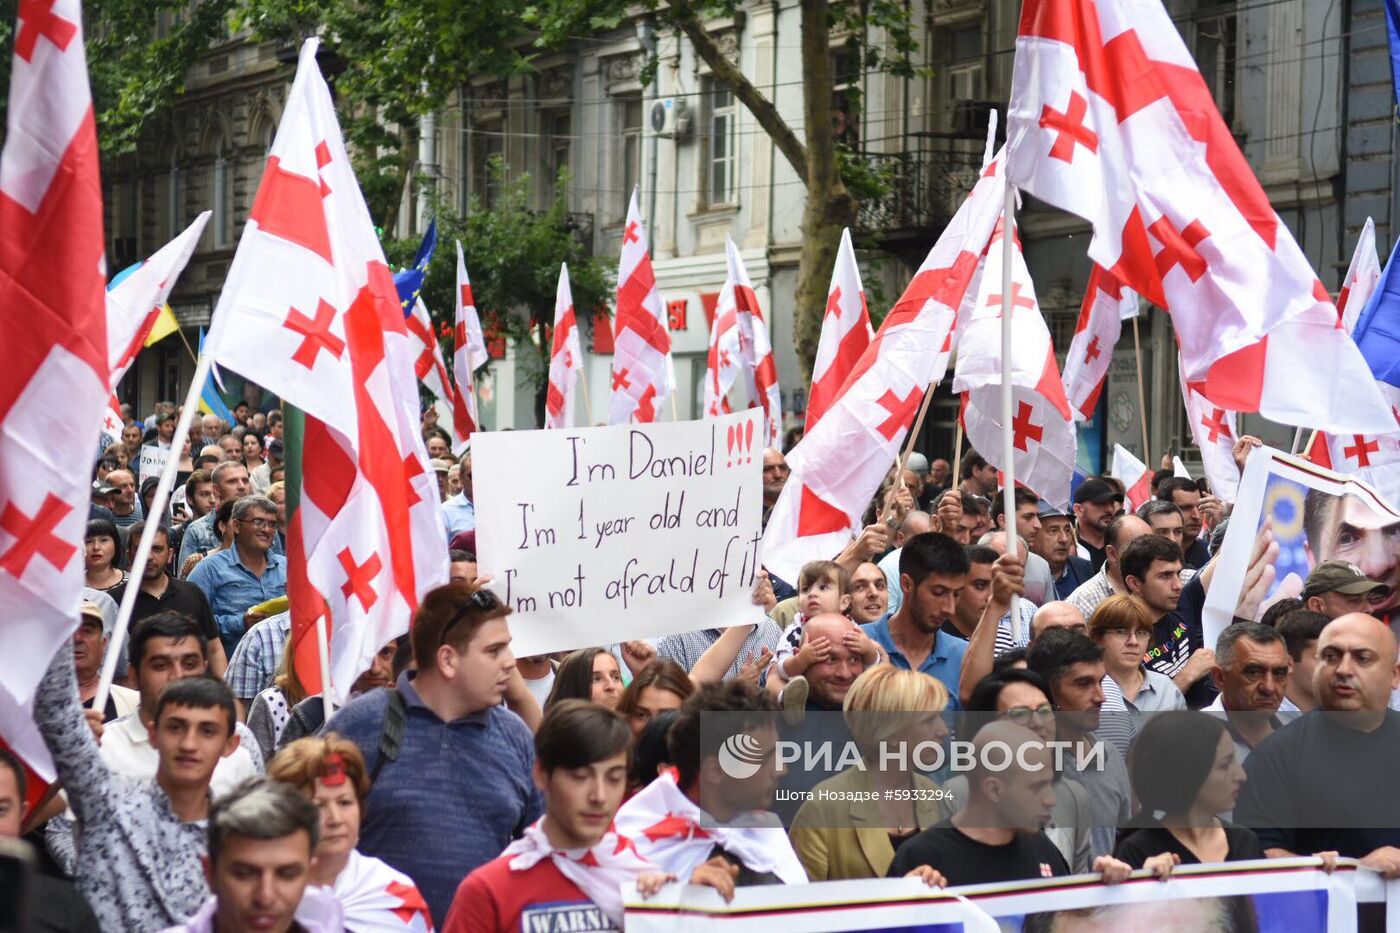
{"points": [[933, 569], [261, 839], [701, 811], [566, 872], [976, 517], [459, 786], [978, 476], [1027, 512], [54, 905], [161, 592], [142, 842], [1183, 493], [1073, 667], [1151, 569], [1300, 630]]}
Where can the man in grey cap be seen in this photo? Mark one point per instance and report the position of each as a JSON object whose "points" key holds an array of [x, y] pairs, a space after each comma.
{"points": [[1055, 543], [1337, 587]]}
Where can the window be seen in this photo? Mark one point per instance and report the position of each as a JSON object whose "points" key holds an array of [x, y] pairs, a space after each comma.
{"points": [[488, 145], [720, 182], [557, 148], [221, 197], [1216, 48], [629, 118], [845, 98], [964, 76]]}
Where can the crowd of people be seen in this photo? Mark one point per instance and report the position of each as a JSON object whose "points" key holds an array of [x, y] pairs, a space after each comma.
{"points": [[464, 789]]}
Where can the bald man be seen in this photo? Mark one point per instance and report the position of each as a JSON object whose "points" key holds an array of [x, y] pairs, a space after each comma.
{"points": [[1057, 614], [998, 835], [840, 662], [1327, 781], [1109, 580]]}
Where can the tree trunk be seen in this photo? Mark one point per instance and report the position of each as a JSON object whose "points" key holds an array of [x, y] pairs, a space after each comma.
{"points": [[830, 207]]}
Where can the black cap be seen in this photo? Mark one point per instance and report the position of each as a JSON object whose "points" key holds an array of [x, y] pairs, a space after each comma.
{"points": [[1098, 491]]}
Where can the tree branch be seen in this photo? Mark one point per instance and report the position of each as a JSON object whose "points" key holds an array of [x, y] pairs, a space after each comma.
{"points": [[750, 96]]}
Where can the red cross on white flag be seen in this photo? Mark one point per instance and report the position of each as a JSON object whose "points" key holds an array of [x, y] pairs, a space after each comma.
{"points": [[428, 366], [56, 354], [1177, 214], [134, 303], [643, 373], [565, 357], [1043, 437], [840, 463], [739, 344], [1213, 431], [846, 332], [1136, 477], [1107, 303], [468, 355], [310, 313]]}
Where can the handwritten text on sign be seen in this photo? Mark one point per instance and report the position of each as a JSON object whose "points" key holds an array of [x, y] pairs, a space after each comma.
{"points": [[152, 463], [602, 535]]}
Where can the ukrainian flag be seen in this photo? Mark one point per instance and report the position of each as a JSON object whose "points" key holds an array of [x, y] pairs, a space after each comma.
{"points": [[210, 402]]}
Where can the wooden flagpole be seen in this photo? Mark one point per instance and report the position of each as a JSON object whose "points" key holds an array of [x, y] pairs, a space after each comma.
{"points": [[1142, 394], [1008, 448]]}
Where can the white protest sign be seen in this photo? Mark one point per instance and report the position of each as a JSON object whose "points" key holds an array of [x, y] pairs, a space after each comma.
{"points": [[603, 535], [153, 458]]}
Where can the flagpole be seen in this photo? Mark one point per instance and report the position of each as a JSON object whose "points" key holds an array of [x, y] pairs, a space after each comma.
{"points": [[1142, 394], [186, 341], [914, 431], [116, 645], [957, 448], [1298, 439], [1312, 439], [583, 387], [1008, 448], [323, 654]]}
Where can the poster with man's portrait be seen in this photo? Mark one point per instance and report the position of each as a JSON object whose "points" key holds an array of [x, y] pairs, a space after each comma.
{"points": [[1314, 515]]}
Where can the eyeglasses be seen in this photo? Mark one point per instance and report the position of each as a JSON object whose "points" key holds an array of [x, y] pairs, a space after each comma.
{"points": [[262, 524], [481, 600], [1022, 715]]}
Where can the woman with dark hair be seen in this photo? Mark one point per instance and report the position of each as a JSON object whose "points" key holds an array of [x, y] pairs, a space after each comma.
{"points": [[650, 753], [252, 451], [102, 555], [660, 686], [587, 674], [1183, 767]]}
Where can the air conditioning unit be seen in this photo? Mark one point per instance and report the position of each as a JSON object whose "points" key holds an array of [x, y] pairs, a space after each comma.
{"points": [[670, 118]]}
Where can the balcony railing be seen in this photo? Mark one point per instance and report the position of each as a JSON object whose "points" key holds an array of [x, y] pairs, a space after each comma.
{"points": [[926, 185]]}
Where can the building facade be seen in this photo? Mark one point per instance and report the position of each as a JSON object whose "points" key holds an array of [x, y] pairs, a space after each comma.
{"points": [[1304, 87]]}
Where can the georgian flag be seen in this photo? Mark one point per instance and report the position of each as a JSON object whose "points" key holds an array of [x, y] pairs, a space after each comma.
{"points": [[429, 366], [1043, 435], [56, 352], [1111, 120], [1107, 304], [839, 465], [739, 344], [137, 295], [1213, 431], [1135, 476], [310, 312], [565, 357], [378, 897], [468, 355], [846, 332], [643, 375], [1363, 275]]}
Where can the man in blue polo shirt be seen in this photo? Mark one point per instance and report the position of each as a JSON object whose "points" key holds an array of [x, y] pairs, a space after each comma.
{"points": [[932, 570]]}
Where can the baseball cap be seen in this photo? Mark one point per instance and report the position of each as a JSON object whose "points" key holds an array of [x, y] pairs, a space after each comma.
{"points": [[1098, 491], [440, 466], [93, 611], [1340, 576]]}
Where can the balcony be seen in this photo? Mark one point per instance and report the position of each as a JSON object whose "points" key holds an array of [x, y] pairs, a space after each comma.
{"points": [[926, 184]]}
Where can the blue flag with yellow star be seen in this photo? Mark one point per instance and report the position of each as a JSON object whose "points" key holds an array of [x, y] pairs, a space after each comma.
{"points": [[409, 282]]}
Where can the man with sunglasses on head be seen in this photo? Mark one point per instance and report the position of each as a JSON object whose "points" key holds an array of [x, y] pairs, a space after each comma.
{"points": [[246, 574], [450, 766]]}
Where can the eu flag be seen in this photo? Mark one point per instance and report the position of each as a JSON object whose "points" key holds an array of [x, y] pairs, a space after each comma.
{"points": [[409, 282], [1377, 330]]}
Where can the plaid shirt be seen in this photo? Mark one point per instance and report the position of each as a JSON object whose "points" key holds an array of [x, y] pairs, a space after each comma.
{"points": [[258, 655], [685, 648]]}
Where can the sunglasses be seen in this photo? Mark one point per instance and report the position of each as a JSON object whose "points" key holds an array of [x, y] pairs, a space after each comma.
{"points": [[481, 601]]}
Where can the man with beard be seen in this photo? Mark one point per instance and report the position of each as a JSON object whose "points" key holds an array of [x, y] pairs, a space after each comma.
{"points": [[932, 571], [160, 592], [1096, 503], [1195, 508]]}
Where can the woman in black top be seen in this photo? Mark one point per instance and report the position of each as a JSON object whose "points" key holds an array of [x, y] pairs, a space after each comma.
{"points": [[1183, 767]]}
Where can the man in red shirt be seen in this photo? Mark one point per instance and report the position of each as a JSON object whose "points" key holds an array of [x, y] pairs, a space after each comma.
{"points": [[566, 871]]}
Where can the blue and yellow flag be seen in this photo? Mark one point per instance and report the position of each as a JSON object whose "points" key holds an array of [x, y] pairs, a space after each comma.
{"points": [[210, 401]]}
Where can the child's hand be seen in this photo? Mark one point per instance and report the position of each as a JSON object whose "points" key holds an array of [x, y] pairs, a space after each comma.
{"points": [[858, 643], [813, 651]]}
